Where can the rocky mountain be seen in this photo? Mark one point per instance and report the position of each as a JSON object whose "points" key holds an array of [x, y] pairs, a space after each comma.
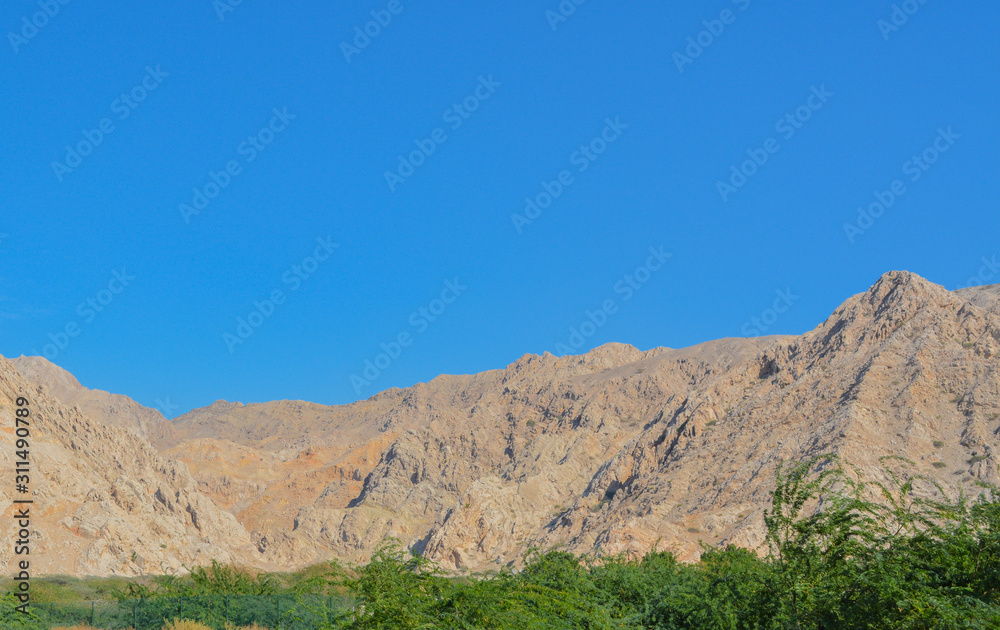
{"points": [[104, 502], [614, 450], [115, 409]]}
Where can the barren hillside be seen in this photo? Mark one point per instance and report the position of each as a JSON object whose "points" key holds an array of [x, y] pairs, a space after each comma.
{"points": [[104, 501], [613, 450]]}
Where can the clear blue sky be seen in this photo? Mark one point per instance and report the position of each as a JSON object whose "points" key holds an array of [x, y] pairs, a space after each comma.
{"points": [[180, 92]]}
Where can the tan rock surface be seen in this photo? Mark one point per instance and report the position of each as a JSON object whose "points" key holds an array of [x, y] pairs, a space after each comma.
{"points": [[115, 409], [615, 450], [104, 501]]}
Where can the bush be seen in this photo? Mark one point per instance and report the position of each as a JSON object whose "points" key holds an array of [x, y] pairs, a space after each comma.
{"points": [[12, 619], [835, 559]]}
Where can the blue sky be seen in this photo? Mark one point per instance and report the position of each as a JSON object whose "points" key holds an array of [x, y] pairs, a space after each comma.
{"points": [[171, 170]]}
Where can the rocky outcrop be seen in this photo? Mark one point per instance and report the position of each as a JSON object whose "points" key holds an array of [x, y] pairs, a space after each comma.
{"points": [[115, 409], [615, 450], [104, 501]]}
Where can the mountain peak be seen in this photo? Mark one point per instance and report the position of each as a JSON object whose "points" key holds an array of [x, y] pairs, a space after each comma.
{"points": [[40, 370], [900, 285]]}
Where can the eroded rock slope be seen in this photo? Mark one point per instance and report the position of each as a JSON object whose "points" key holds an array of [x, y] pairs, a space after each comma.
{"points": [[614, 450]]}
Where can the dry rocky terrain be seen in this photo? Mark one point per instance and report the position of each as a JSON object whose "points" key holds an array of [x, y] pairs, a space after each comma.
{"points": [[614, 450]]}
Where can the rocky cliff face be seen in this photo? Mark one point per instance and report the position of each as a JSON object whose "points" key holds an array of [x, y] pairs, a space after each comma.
{"points": [[104, 501], [114, 409], [615, 450]]}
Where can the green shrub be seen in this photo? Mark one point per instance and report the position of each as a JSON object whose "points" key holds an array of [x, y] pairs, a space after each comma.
{"points": [[901, 563], [12, 619], [599, 505]]}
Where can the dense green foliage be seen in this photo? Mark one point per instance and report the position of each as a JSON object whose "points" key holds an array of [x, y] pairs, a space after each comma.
{"points": [[12, 619], [218, 579], [213, 595], [896, 563], [838, 559]]}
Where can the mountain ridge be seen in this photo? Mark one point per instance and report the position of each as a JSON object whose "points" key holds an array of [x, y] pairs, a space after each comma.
{"points": [[614, 450]]}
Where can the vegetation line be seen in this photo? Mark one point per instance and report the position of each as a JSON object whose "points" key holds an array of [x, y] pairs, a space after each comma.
{"points": [[895, 553]]}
